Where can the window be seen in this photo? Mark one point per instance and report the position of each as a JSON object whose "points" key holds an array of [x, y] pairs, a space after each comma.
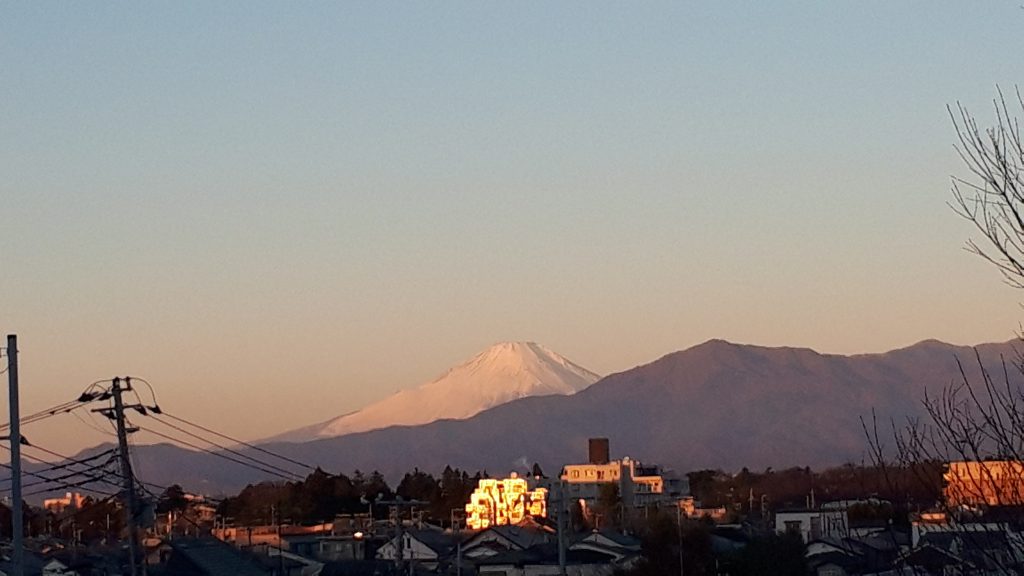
{"points": [[793, 526]]}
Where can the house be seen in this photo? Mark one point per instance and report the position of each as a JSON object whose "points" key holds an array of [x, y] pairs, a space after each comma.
{"points": [[424, 547], [498, 539], [542, 560], [609, 539], [638, 485], [933, 561], [211, 557], [813, 524], [726, 538], [361, 568], [32, 564], [691, 508]]}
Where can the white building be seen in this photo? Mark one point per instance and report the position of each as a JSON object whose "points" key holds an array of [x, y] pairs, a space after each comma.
{"points": [[424, 547], [813, 524], [638, 485]]}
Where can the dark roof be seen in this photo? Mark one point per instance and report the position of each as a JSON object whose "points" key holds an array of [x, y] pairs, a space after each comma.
{"points": [[209, 556], [521, 536], [623, 540], [545, 554], [733, 533], [834, 557], [33, 564], [436, 540], [969, 540], [930, 557], [274, 562], [361, 568]]}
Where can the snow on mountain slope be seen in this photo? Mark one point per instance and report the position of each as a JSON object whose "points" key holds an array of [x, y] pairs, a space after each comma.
{"points": [[502, 373]]}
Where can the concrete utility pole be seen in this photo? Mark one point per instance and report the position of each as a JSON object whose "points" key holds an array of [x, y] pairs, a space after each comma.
{"points": [[126, 467], [562, 513], [679, 531], [18, 529], [397, 504]]}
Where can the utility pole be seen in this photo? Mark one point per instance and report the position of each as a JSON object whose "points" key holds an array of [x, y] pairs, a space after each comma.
{"points": [[17, 520], [562, 513], [397, 504], [679, 532], [126, 465], [277, 524]]}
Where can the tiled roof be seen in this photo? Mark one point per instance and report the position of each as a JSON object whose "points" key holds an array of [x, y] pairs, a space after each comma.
{"points": [[215, 558]]}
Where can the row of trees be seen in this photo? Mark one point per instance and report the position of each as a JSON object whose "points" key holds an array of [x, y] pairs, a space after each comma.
{"points": [[322, 496], [745, 491]]}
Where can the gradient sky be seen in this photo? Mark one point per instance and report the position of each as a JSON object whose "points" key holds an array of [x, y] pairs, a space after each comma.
{"points": [[279, 212]]}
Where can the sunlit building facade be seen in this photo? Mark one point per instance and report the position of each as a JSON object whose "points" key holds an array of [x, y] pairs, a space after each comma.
{"points": [[984, 483], [70, 501], [507, 501], [638, 485]]}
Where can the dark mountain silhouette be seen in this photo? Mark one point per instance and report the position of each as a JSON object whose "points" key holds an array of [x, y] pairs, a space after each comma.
{"points": [[718, 405]]}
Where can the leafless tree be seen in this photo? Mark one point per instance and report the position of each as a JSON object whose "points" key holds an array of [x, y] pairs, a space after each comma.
{"points": [[972, 430], [993, 197]]}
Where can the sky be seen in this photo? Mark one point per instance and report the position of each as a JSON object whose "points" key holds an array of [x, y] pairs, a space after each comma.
{"points": [[277, 213]]}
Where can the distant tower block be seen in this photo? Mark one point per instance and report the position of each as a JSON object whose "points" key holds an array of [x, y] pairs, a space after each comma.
{"points": [[599, 453]]}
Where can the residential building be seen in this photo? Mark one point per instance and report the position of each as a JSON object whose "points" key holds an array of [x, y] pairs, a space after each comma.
{"points": [[499, 539], [423, 547], [813, 524], [638, 485], [70, 501], [585, 557], [984, 483]]}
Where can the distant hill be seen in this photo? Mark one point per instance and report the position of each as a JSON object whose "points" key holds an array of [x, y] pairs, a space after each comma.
{"points": [[714, 405]]}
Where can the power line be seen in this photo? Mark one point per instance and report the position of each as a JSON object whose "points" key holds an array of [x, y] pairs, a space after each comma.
{"points": [[86, 397], [41, 461], [91, 423], [70, 461], [155, 408], [51, 479], [218, 454], [61, 484], [222, 447], [237, 441], [80, 485]]}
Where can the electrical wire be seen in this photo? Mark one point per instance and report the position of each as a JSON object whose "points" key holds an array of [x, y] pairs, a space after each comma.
{"points": [[219, 455], [185, 516], [87, 396], [72, 462], [237, 441], [80, 485], [94, 477], [59, 484], [51, 479], [156, 409], [91, 423], [225, 448]]}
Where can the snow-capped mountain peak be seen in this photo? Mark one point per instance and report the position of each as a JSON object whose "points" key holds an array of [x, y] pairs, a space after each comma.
{"points": [[504, 372]]}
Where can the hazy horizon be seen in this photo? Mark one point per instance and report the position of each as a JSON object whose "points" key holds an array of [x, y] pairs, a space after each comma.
{"points": [[277, 214]]}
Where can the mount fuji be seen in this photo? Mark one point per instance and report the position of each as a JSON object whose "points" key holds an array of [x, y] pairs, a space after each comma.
{"points": [[504, 372]]}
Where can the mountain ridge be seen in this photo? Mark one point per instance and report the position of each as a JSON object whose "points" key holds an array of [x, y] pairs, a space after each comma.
{"points": [[718, 406]]}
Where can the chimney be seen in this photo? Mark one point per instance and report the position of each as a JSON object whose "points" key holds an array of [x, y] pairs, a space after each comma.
{"points": [[599, 451]]}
